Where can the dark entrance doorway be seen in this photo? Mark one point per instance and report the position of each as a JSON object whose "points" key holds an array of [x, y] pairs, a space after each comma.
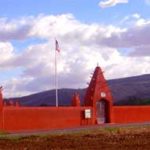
{"points": [[102, 111]]}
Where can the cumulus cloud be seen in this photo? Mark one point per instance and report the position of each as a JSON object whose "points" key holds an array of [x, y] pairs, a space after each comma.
{"points": [[82, 47], [6, 52], [132, 37], [14, 29], [140, 51], [111, 3]]}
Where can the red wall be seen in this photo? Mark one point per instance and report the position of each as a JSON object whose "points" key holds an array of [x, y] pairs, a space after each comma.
{"points": [[43, 118], [1, 122], [131, 114]]}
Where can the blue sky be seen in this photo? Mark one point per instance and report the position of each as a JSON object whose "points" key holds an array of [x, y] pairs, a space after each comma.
{"points": [[114, 33], [85, 10]]}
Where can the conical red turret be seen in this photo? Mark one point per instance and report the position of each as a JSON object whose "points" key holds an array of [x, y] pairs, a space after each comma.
{"points": [[98, 89]]}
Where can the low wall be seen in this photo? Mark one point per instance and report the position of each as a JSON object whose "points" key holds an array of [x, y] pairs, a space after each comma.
{"points": [[131, 114], [14, 119], [42, 118], [1, 120]]}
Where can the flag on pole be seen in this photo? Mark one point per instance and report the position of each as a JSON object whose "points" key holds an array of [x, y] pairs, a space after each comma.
{"points": [[57, 48]]}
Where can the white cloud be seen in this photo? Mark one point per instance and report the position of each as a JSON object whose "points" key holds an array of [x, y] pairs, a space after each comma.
{"points": [[82, 46], [111, 3], [136, 16], [15, 29], [130, 19], [6, 52], [147, 2]]}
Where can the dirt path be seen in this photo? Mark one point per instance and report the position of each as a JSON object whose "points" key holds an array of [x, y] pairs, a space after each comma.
{"points": [[77, 129], [110, 138]]}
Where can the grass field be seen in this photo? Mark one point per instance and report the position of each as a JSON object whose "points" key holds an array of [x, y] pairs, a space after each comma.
{"points": [[110, 138]]}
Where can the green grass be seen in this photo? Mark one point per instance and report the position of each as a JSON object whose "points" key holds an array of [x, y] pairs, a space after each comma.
{"points": [[3, 133], [86, 131]]}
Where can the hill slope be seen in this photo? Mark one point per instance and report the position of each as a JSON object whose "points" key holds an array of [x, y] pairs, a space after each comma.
{"points": [[131, 90], [125, 91]]}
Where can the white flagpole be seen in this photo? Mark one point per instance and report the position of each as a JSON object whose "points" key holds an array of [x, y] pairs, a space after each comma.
{"points": [[56, 79]]}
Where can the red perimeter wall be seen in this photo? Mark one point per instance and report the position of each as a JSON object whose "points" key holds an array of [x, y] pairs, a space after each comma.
{"points": [[1, 125], [131, 114], [13, 119], [42, 118]]}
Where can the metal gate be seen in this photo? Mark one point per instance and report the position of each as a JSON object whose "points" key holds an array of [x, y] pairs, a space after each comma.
{"points": [[101, 112]]}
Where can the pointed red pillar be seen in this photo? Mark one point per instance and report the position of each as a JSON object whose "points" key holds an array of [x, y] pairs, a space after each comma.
{"points": [[97, 91], [76, 100], [1, 109], [17, 104], [1, 99]]}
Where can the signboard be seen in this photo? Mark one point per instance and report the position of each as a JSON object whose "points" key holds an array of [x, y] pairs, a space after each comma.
{"points": [[87, 113]]}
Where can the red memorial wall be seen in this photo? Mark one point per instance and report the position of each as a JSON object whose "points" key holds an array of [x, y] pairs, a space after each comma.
{"points": [[97, 109]]}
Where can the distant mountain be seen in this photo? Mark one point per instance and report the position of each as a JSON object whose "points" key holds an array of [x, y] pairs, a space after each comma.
{"points": [[47, 98], [131, 91], [125, 91]]}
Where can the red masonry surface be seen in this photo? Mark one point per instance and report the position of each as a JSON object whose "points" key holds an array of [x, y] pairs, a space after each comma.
{"points": [[97, 109], [41, 118], [131, 114]]}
